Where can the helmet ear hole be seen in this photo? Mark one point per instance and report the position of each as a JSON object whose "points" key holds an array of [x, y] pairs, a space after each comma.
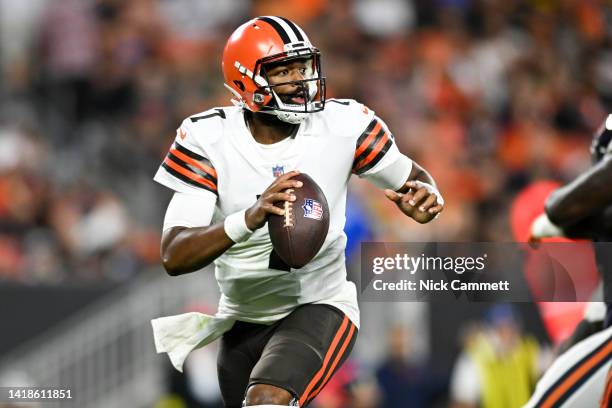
{"points": [[240, 85], [258, 98]]}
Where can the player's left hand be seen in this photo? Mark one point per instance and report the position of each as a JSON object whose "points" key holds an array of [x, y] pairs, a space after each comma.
{"points": [[418, 203]]}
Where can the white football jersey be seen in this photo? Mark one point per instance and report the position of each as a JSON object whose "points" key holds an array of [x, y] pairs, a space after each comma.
{"points": [[215, 154]]}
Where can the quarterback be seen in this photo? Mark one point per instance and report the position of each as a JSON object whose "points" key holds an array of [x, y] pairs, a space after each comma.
{"points": [[284, 332]]}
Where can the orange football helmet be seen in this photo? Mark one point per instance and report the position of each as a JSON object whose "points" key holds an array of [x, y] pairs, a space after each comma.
{"points": [[262, 41]]}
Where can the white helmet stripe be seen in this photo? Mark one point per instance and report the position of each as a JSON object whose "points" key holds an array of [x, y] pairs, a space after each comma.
{"points": [[292, 37], [299, 34], [306, 39]]}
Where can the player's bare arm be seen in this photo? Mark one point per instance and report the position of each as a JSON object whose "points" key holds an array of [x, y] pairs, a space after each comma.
{"points": [[580, 209], [586, 196], [418, 198], [185, 250]]}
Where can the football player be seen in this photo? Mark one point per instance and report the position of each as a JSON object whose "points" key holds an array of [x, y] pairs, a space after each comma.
{"points": [[583, 209], [284, 331]]}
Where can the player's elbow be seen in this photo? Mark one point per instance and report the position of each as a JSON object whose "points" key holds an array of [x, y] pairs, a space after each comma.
{"points": [[172, 267], [170, 252], [176, 264], [172, 261]]}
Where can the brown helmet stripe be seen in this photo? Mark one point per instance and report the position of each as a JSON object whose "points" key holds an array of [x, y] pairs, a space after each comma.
{"points": [[294, 28], [279, 29]]}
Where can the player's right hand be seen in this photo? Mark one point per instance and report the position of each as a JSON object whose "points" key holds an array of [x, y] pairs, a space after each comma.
{"points": [[257, 215]]}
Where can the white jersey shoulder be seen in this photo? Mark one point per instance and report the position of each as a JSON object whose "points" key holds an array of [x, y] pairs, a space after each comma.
{"points": [[374, 143], [188, 166], [345, 117], [207, 127]]}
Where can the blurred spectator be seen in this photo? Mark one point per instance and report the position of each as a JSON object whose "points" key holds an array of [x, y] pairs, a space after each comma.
{"points": [[498, 367], [404, 382]]}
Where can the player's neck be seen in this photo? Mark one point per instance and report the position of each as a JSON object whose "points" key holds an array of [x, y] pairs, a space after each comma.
{"points": [[268, 129]]}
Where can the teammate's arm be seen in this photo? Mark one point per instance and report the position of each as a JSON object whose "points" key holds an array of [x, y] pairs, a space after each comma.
{"points": [[188, 249], [586, 196], [590, 227]]}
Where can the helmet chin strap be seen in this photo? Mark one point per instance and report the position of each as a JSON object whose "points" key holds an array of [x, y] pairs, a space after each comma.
{"points": [[288, 117], [291, 117], [285, 114]]}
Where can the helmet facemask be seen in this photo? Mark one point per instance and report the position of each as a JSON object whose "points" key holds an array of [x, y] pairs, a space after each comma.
{"points": [[309, 96]]}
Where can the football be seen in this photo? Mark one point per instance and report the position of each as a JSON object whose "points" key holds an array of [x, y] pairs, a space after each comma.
{"points": [[298, 235]]}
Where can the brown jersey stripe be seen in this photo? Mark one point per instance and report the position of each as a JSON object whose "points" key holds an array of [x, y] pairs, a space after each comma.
{"points": [[369, 145], [188, 152], [576, 375], [361, 142], [375, 156], [187, 176], [204, 165], [191, 169]]}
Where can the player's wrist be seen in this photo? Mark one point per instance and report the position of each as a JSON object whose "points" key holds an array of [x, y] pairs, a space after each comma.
{"points": [[431, 189], [252, 219], [236, 227]]}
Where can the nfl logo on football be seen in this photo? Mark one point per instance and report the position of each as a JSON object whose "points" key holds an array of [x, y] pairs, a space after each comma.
{"points": [[278, 170], [312, 209]]}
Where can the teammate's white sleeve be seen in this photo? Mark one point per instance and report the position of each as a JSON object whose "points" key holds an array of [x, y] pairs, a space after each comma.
{"points": [[577, 378], [186, 167], [378, 159], [190, 210], [465, 382]]}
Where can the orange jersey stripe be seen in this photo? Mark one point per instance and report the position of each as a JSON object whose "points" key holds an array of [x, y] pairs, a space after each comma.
{"points": [[328, 355], [190, 174], [607, 398], [347, 341], [368, 139], [187, 159], [373, 153], [576, 375]]}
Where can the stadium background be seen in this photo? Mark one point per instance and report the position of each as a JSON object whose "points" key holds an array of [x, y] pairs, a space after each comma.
{"points": [[488, 95]]}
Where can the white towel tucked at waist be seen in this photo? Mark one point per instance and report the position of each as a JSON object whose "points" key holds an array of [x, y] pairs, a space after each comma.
{"points": [[180, 334]]}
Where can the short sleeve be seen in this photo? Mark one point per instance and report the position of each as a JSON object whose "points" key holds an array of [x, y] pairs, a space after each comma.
{"points": [[186, 167], [189, 210]]}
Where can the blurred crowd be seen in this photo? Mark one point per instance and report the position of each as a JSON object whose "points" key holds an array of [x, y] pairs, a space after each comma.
{"points": [[486, 94]]}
